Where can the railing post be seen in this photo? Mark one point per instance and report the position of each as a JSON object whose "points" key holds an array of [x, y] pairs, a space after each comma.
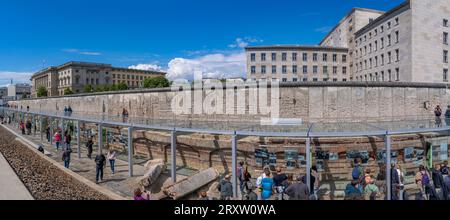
{"points": [[234, 164], [41, 125], [51, 130], [308, 163], [173, 154], [78, 140], [130, 151], [388, 167], [100, 138]]}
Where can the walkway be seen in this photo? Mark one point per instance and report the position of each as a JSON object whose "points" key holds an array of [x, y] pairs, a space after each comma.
{"points": [[11, 187]]}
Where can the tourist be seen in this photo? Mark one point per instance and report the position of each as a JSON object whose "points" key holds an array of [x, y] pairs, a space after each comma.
{"points": [[358, 170], [261, 177], [69, 111], [48, 133], [89, 146], [66, 157], [267, 186], [438, 182], [367, 178], [22, 127], [204, 196], [352, 189], [447, 184], [447, 116], [251, 195], [225, 188], [100, 162], [423, 182], [141, 196], [401, 178], [124, 115], [65, 110], [67, 139], [297, 190], [444, 168], [371, 191], [57, 138], [240, 175], [28, 126], [395, 182], [315, 184], [438, 113], [41, 148], [247, 184], [112, 159], [278, 180]]}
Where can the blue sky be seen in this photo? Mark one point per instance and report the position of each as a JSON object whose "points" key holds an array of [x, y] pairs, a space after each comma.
{"points": [[179, 36]]}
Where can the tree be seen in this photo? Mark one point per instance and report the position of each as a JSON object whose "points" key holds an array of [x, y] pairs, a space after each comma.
{"points": [[42, 92], [122, 86], [113, 88], [88, 89], [156, 82], [68, 91], [99, 89]]}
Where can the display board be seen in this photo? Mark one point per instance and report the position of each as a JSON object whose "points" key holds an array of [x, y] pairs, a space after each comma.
{"points": [[363, 154]]}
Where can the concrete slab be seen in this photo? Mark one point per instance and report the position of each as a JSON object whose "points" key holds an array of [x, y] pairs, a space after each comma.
{"points": [[11, 187]]}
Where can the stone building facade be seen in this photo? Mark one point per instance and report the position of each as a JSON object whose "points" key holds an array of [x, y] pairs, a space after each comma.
{"points": [[409, 43], [76, 75], [297, 63]]}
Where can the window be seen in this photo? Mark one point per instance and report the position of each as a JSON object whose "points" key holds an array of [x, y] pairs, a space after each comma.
{"points": [[396, 36], [284, 69], [382, 59], [128, 76], [294, 79], [389, 57], [376, 32], [365, 64], [87, 81], [344, 80], [305, 79], [253, 57], [274, 69], [114, 75], [376, 61], [253, 69], [315, 57], [370, 48], [132, 76], [376, 46], [445, 73], [325, 57], [397, 55], [382, 43], [365, 50], [274, 56], [294, 69], [445, 38], [334, 70], [396, 21], [96, 81], [370, 63], [397, 74], [315, 80], [344, 58], [294, 56], [334, 57], [284, 56], [389, 40], [315, 68], [263, 69], [92, 81], [382, 29], [325, 79], [445, 22], [305, 69], [389, 75], [284, 79], [305, 57], [376, 77], [335, 79], [370, 35], [382, 76], [445, 56], [325, 70], [263, 57], [389, 25]]}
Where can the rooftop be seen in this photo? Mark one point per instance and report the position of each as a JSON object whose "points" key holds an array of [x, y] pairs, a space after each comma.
{"points": [[295, 47]]}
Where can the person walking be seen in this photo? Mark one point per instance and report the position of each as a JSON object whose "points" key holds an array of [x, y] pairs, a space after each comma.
{"points": [[225, 188], [438, 182], [267, 186], [28, 125], [100, 162], [423, 181], [240, 175], [395, 182], [22, 127], [66, 157], [438, 114], [57, 138], [112, 159], [247, 185], [48, 133], [67, 139], [401, 178], [298, 190], [278, 180], [89, 146]]}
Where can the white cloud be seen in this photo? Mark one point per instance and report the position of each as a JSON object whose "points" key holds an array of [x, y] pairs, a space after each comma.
{"points": [[88, 53], [212, 66], [150, 67], [244, 42], [17, 77]]}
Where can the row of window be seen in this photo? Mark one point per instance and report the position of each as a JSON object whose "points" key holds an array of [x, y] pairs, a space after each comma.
{"points": [[302, 79], [284, 69], [294, 57], [375, 32], [373, 62], [381, 77], [133, 77], [368, 49]]}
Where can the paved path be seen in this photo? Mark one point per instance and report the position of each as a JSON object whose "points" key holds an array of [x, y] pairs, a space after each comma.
{"points": [[11, 188]]}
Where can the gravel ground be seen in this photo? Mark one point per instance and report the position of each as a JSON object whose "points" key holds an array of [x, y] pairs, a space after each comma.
{"points": [[44, 180]]}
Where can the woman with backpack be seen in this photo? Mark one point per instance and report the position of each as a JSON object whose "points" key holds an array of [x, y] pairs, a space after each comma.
{"points": [[423, 181]]}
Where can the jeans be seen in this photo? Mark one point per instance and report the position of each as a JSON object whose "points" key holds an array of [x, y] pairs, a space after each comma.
{"points": [[67, 145], [112, 163], [66, 163], [57, 144], [98, 173]]}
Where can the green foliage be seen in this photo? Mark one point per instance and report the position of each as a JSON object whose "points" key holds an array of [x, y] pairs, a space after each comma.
{"points": [[156, 82], [122, 86], [68, 91], [88, 89], [42, 92]]}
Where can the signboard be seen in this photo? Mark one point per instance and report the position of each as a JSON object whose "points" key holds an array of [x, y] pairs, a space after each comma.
{"points": [[381, 156], [363, 154], [291, 157]]}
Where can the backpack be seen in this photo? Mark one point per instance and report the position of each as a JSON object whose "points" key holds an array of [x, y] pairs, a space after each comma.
{"points": [[355, 173], [425, 179]]}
